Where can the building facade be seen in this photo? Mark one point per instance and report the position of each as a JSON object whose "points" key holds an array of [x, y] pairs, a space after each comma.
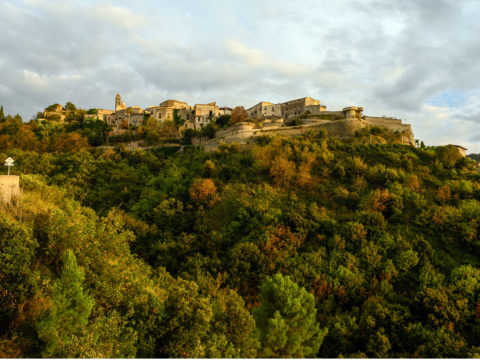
{"points": [[265, 109], [295, 108], [204, 113]]}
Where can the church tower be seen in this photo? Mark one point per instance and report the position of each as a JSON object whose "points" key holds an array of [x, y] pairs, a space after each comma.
{"points": [[119, 105]]}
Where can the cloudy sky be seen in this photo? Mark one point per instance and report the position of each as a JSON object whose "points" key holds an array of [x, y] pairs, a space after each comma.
{"points": [[414, 60]]}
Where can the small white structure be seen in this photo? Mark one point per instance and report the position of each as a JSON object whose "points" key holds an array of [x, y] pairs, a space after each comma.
{"points": [[9, 162], [9, 184]]}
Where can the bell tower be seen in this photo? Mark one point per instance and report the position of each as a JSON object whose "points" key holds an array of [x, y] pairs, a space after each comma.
{"points": [[119, 105]]}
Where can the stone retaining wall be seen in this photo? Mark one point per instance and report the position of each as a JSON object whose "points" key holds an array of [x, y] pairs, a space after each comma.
{"points": [[241, 133]]}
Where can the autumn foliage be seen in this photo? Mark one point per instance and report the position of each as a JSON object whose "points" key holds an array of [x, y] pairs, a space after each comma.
{"points": [[239, 114], [203, 191]]}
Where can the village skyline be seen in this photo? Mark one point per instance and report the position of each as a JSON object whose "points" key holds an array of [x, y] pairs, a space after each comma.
{"points": [[411, 59]]}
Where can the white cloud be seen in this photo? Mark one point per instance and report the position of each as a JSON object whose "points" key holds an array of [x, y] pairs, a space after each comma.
{"points": [[252, 57]]}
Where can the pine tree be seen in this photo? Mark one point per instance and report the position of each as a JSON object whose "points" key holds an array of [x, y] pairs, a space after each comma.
{"points": [[69, 314], [2, 114], [286, 320]]}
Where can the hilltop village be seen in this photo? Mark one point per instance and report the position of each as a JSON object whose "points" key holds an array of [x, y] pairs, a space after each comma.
{"points": [[289, 118]]}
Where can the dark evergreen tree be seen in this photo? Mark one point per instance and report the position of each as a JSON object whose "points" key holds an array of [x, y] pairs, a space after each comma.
{"points": [[69, 313]]}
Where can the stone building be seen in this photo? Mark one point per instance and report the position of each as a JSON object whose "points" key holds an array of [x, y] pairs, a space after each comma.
{"points": [[224, 111], [132, 115], [204, 113], [195, 117], [265, 109], [101, 114], [295, 108], [55, 113], [164, 111], [461, 150], [119, 104], [123, 115], [286, 110], [352, 112]]}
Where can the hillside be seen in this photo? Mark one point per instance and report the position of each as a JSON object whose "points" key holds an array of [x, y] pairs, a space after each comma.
{"points": [[474, 156], [300, 247]]}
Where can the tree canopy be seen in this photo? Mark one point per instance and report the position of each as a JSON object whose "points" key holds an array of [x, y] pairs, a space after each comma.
{"points": [[305, 246]]}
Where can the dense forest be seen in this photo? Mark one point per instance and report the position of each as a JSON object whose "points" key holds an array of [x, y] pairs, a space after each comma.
{"points": [[296, 247]]}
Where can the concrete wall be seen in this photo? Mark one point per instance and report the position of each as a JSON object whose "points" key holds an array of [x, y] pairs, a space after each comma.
{"points": [[9, 187]]}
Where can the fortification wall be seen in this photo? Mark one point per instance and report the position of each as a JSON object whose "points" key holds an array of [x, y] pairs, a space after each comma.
{"points": [[334, 113], [382, 121], [9, 187], [242, 132], [394, 125]]}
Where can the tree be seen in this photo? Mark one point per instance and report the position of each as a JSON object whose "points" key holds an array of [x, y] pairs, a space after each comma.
{"points": [[69, 142], [280, 244], [286, 320], [282, 170], [17, 250], [239, 114], [223, 120], [208, 168], [232, 327], [70, 107], [448, 155], [53, 107], [2, 114], [203, 191], [177, 120], [186, 324], [69, 314], [208, 131]]}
